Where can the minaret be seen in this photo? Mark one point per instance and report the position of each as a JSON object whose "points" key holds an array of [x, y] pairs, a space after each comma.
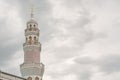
{"points": [[32, 68]]}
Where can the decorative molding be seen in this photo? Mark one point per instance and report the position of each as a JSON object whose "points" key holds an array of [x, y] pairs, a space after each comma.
{"points": [[28, 32]]}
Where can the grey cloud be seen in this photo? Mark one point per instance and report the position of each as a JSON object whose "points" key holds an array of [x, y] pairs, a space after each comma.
{"points": [[80, 71], [9, 43], [86, 75], [84, 60], [6, 52], [83, 72], [77, 34], [108, 64], [73, 3]]}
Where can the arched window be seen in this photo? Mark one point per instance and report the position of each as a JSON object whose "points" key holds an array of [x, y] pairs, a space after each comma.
{"points": [[26, 39], [29, 78], [30, 27], [34, 25], [36, 78], [35, 39], [27, 26], [30, 39]]}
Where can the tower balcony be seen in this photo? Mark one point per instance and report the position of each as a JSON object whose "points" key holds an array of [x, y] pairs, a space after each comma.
{"points": [[32, 46], [28, 69], [25, 65], [32, 32]]}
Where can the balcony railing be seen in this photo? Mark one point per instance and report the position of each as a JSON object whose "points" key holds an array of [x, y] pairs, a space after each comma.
{"points": [[32, 32], [32, 44]]}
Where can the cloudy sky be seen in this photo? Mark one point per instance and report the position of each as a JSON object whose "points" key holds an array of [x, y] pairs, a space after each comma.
{"points": [[80, 38]]}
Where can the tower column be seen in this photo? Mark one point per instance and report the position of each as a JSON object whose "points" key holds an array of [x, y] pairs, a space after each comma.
{"points": [[32, 68]]}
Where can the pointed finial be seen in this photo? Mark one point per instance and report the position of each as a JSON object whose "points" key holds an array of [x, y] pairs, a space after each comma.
{"points": [[32, 10]]}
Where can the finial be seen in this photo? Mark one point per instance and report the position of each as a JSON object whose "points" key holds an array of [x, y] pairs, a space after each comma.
{"points": [[32, 10]]}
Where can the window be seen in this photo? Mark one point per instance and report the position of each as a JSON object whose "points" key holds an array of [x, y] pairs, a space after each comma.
{"points": [[30, 39], [35, 39], [36, 78], [34, 25], [26, 39], [30, 27], [29, 78]]}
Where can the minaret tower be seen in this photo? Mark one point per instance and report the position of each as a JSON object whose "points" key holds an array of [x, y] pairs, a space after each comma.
{"points": [[32, 68]]}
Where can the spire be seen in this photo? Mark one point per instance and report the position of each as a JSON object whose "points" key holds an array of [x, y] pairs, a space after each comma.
{"points": [[31, 20], [32, 10]]}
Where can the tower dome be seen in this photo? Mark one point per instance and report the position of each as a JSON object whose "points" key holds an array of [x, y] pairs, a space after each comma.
{"points": [[32, 21]]}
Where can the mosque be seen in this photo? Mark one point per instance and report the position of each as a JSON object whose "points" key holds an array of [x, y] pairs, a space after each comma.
{"points": [[32, 68]]}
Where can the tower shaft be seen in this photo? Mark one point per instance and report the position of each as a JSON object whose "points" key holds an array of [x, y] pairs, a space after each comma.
{"points": [[32, 68]]}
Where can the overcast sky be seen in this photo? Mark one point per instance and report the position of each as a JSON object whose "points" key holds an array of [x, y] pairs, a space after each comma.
{"points": [[80, 38]]}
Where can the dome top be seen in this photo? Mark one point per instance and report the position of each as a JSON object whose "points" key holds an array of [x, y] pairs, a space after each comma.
{"points": [[32, 21], [32, 16]]}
